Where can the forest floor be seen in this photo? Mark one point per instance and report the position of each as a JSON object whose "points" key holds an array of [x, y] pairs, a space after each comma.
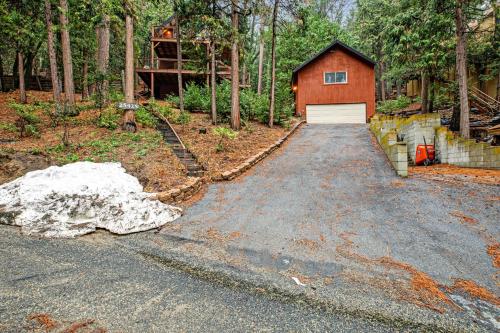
{"points": [[143, 154], [452, 173]]}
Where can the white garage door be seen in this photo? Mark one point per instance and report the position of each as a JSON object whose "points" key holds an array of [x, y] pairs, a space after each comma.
{"points": [[336, 114]]}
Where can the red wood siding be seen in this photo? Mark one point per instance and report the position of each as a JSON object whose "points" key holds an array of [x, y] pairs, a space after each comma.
{"points": [[360, 86]]}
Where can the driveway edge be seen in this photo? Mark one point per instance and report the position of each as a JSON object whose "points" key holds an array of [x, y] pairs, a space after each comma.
{"points": [[250, 162], [193, 185]]}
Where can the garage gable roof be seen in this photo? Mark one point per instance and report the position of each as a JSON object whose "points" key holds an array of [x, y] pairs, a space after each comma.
{"points": [[333, 45]]}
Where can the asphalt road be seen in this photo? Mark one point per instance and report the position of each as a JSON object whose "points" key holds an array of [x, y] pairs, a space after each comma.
{"points": [[96, 278]]}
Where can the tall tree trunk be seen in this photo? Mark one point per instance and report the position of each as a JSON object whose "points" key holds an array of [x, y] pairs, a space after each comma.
{"points": [[15, 67], [85, 75], [129, 60], [398, 88], [461, 63], [213, 73], [103, 36], [22, 87], [29, 59], [432, 93], [28, 68], [496, 46], [129, 116], [69, 85], [261, 58], [179, 62], [498, 90], [273, 64], [235, 67], [382, 82], [2, 88], [425, 91]]}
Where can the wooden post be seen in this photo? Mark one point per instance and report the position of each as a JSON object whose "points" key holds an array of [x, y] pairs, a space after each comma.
{"points": [[22, 87], [235, 67], [151, 64], [207, 45], [179, 61], [213, 73]]}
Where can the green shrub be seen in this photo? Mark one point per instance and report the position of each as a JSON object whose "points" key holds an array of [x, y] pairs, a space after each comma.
{"points": [[183, 118], [393, 104], [144, 117], [115, 96], [8, 127], [252, 106], [153, 107], [165, 111], [224, 134], [109, 119], [197, 98], [172, 99], [27, 122], [443, 98], [223, 101]]}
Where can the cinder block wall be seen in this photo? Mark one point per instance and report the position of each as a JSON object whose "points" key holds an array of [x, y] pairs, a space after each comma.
{"points": [[415, 131], [396, 152], [455, 150], [450, 148]]}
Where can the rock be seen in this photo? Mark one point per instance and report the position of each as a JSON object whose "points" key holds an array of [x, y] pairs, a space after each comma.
{"points": [[226, 175], [77, 198]]}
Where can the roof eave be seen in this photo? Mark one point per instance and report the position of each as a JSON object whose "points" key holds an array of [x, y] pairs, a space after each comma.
{"points": [[326, 49]]}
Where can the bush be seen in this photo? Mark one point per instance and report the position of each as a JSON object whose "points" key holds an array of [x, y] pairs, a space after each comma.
{"points": [[153, 107], [144, 117], [115, 96], [223, 133], [252, 106], [27, 122], [443, 99], [183, 118], [109, 119], [393, 104], [197, 98], [223, 100], [8, 127], [173, 100]]}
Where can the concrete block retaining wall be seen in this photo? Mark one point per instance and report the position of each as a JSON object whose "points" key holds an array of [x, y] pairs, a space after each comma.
{"points": [[415, 131], [396, 151], [450, 148]]}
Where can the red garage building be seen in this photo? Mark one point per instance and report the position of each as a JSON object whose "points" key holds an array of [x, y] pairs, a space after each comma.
{"points": [[335, 86]]}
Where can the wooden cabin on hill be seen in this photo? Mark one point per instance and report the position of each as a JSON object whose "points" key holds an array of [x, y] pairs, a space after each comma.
{"points": [[159, 72]]}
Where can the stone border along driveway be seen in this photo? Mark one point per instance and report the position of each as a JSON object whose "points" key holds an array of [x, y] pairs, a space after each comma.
{"points": [[193, 185]]}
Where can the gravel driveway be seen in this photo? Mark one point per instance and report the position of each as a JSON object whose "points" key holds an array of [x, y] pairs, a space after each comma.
{"points": [[328, 208]]}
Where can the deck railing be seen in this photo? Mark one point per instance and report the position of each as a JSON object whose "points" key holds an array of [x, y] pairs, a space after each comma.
{"points": [[171, 63]]}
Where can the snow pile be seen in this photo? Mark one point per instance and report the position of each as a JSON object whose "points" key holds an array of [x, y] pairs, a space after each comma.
{"points": [[77, 198]]}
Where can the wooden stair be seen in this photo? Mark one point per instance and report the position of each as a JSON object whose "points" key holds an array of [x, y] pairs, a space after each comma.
{"points": [[194, 169]]}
